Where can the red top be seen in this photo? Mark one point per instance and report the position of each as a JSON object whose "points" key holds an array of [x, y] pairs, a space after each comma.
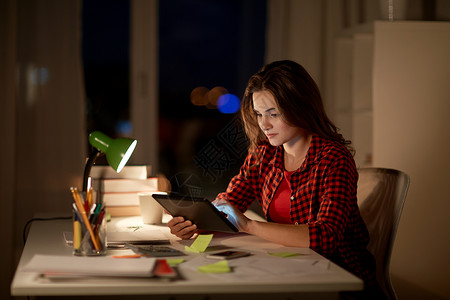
{"points": [[323, 197], [280, 207]]}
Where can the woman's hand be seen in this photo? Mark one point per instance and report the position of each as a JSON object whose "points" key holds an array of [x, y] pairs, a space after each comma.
{"points": [[233, 214], [184, 229]]}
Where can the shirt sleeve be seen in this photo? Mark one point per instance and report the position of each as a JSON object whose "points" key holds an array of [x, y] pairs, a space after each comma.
{"points": [[336, 204]]}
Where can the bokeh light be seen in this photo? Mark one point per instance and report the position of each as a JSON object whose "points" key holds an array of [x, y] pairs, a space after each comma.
{"points": [[199, 96], [214, 95], [216, 98], [228, 104]]}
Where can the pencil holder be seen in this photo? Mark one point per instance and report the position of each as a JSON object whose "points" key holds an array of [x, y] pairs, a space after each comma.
{"points": [[89, 225]]}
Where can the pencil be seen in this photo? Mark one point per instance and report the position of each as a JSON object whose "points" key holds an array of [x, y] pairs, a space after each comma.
{"points": [[89, 198], [80, 206]]}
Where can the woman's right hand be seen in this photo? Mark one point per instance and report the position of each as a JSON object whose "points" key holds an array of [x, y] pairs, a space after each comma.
{"points": [[184, 229]]}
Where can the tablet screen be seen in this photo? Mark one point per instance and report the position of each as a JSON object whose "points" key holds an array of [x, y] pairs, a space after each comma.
{"points": [[199, 210]]}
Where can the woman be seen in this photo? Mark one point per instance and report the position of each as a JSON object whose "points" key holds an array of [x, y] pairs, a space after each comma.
{"points": [[300, 169]]}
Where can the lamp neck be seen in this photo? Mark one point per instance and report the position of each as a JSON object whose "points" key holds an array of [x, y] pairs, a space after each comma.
{"points": [[87, 169]]}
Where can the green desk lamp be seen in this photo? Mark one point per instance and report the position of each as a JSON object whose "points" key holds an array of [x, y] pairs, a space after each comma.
{"points": [[117, 152]]}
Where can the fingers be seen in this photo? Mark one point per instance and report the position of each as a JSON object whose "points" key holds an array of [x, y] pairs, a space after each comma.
{"points": [[181, 228], [232, 214], [174, 221]]}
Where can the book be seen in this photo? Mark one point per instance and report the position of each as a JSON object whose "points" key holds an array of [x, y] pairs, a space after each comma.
{"points": [[125, 185], [119, 191], [121, 196], [120, 199], [123, 211], [129, 172], [123, 199]]}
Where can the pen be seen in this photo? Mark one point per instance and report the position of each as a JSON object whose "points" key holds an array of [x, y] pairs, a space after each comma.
{"points": [[99, 220], [92, 214], [81, 210], [98, 208]]}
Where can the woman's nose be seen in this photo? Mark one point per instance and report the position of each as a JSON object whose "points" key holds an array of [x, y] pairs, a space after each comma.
{"points": [[265, 123]]}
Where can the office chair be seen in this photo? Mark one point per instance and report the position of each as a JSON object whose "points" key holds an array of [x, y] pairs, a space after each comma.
{"points": [[381, 195]]}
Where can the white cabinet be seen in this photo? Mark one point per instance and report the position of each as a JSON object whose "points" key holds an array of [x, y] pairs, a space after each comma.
{"points": [[399, 87]]}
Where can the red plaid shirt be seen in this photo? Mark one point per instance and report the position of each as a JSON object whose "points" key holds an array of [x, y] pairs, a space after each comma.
{"points": [[323, 196]]}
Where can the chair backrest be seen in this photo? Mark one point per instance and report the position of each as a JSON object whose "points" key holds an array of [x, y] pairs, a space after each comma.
{"points": [[381, 195]]}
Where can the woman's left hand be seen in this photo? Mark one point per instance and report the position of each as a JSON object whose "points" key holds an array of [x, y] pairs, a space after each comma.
{"points": [[233, 214]]}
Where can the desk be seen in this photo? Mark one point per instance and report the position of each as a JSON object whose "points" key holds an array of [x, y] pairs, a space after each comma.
{"points": [[47, 238]]}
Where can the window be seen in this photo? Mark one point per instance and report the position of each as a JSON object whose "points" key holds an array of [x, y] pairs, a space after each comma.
{"points": [[206, 49], [105, 42], [209, 47]]}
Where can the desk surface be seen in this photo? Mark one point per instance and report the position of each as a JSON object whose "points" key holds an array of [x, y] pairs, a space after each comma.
{"points": [[47, 238]]}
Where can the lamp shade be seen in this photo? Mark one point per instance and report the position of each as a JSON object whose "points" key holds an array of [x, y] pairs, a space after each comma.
{"points": [[117, 151]]}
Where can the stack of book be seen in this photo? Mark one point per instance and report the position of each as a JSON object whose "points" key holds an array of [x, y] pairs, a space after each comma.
{"points": [[119, 191]]}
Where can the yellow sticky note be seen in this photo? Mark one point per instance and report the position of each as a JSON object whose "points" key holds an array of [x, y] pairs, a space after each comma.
{"points": [[200, 244], [218, 267], [174, 261], [283, 254]]}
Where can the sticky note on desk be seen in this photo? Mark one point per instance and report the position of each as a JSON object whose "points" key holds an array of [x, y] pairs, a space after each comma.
{"points": [[283, 254], [218, 267], [200, 244]]}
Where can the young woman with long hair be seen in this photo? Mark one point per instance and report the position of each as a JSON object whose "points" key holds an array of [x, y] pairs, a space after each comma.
{"points": [[300, 169]]}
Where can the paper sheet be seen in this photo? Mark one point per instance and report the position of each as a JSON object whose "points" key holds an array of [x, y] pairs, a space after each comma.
{"points": [[263, 266]]}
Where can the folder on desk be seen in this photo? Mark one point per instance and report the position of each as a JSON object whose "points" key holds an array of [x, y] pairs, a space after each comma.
{"points": [[76, 266]]}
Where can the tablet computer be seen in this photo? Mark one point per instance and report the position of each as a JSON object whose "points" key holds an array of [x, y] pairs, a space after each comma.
{"points": [[199, 210]]}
